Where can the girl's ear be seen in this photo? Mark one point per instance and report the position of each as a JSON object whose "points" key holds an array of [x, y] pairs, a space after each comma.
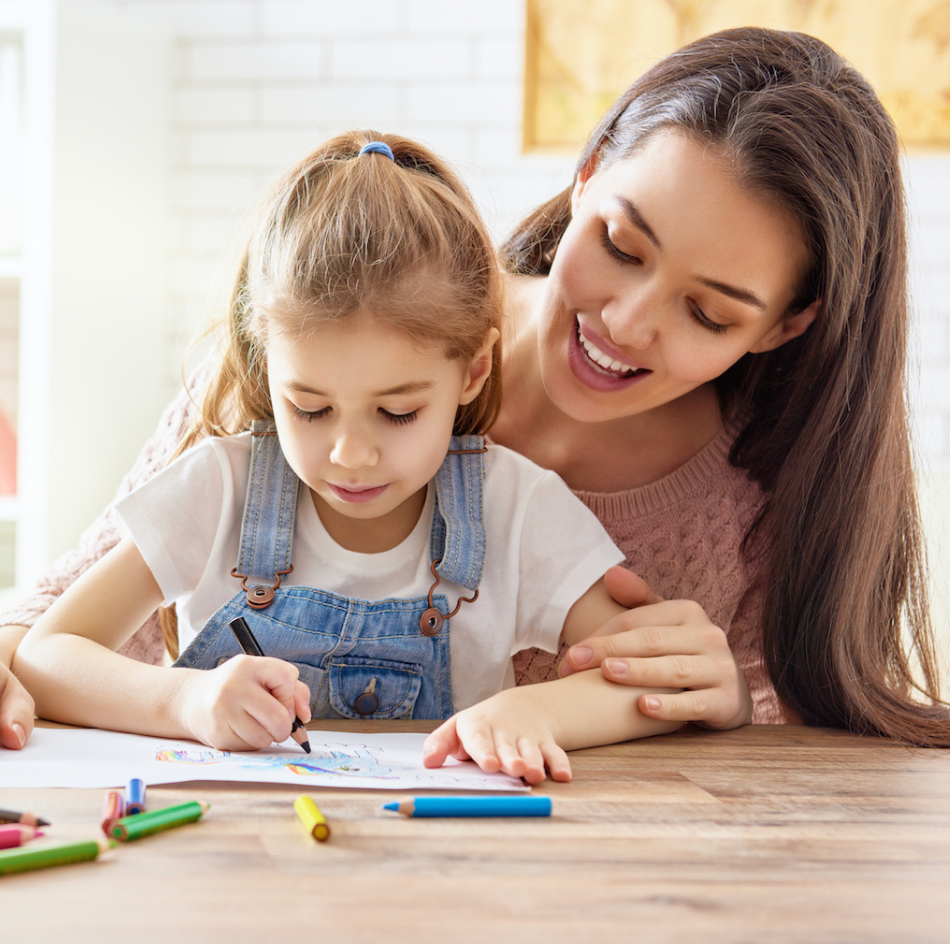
{"points": [[480, 368], [791, 326]]}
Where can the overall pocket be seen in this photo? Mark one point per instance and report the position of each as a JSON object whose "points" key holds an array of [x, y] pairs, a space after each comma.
{"points": [[372, 688]]}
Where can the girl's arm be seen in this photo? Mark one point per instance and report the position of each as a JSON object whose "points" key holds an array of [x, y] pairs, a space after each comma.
{"points": [[523, 730], [68, 663]]}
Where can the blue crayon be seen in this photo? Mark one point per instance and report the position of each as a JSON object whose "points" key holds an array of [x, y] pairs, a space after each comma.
{"points": [[473, 806], [135, 797]]}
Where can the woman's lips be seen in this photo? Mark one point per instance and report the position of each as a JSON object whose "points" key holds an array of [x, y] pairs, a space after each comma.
{"points": [[357, 495], [599, 369]]}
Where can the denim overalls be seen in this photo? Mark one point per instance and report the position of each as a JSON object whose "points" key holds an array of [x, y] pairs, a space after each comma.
{"points": [[360, 659]]}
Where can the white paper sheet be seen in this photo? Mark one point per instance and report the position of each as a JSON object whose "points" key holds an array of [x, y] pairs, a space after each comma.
{"points": [[80, 757]]}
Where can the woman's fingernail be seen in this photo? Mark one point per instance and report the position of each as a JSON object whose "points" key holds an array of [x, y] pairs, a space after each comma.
{"points": [[19, 732], [616, 666], [581, 655], [651, 703]]}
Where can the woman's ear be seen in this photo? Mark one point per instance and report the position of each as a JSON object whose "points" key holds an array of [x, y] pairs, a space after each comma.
{"points": [[480, 368], [791, 326], [584, 174]]}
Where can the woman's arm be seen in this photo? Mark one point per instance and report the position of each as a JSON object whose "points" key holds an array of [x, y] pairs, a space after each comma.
{"points": [[16, 705], [524, 730], [68, 663]]}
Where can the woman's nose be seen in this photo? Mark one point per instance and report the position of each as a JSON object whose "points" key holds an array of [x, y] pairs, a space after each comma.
{"points": [[632, 320], [353, 448]]}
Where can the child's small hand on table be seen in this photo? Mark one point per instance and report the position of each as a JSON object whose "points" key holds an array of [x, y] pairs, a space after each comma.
{"points": [[510, 732], [247, 703]]}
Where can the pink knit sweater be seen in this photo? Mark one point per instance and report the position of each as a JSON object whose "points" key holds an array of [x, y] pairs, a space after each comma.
{"points": [[681, 534]]}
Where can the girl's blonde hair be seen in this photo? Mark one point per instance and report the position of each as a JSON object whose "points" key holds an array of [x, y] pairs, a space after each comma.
{"points": [[341, 234]]}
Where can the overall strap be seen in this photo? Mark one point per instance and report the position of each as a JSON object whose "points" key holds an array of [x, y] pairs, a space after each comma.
{"points": [[270, 511], [458, 528]]}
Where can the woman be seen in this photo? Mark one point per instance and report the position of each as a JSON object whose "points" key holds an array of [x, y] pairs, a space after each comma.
{"points": [[708, 344]]}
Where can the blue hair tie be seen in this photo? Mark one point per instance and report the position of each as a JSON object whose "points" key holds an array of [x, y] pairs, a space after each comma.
{"points": [[377, 147]]}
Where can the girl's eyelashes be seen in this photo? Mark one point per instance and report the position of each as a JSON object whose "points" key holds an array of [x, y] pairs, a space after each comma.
{"points": [[310, 415], [700, 316], [400, 419], [614, 251]]}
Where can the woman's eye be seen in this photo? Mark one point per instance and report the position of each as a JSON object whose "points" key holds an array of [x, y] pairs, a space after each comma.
{"points": [[618, 254], [399, 419], [310, 415], [700, 316]]}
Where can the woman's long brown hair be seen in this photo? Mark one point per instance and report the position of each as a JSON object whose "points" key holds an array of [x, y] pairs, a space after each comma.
{"points": [[846, 624]]}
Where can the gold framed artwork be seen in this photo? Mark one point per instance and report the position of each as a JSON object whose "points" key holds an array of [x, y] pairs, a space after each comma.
{"points": [[581, 53]]}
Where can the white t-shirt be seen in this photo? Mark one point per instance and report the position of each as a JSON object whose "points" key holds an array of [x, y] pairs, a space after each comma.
{"points": [[545, 549]]}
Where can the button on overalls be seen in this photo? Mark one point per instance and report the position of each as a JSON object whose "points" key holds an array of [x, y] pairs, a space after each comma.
{"points": [[360, 659]]}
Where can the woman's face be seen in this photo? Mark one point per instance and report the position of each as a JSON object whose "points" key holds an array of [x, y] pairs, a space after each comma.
{"points": [[668, 273]]}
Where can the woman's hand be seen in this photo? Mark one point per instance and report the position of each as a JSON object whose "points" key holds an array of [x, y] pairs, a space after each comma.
{"points": [[245, 704], [16, 703], [16, 711], [666, 644]]}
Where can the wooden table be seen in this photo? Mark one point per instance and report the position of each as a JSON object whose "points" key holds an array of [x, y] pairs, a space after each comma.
{"points": [[771, 834]]}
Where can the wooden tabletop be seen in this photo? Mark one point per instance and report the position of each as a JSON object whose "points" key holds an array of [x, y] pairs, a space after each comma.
{"points": [[767, 833]]}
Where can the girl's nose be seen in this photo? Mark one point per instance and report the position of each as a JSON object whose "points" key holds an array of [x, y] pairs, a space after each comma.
{"points": [[353, 449]]}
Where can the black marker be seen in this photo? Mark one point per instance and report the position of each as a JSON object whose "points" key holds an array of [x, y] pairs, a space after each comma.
{"points": [[249, 645]]}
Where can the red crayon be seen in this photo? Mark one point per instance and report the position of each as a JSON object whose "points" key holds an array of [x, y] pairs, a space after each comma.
{"points": [[15, 834], [112, 809]]}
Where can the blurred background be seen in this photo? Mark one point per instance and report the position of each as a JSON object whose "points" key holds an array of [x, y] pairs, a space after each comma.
{"points": [[136, 134]]}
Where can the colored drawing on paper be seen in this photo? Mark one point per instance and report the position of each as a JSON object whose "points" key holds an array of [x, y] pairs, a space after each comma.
{"points": [[334, 760], [86, 757], [191, 756]]}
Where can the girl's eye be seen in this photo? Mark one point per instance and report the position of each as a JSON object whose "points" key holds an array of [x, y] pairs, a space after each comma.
{"points": [[699, 316], [310, 415], [618, 254], [399, 419]]}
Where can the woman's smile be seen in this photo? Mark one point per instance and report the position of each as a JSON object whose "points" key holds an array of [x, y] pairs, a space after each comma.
{"points": [[596, 363]]}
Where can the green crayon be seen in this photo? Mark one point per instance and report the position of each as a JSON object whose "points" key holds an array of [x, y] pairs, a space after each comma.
{"points": [[154, 821], [39, 856]]}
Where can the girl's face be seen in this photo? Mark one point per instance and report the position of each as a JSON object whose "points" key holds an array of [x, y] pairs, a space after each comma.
{"points": [[668, 273], [364, 418]]}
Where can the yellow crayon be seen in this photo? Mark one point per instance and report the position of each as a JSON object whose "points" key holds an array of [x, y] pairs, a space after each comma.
{"points": [[312, 818]]}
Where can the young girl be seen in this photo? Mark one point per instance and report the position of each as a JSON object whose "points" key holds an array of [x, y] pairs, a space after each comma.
{"points": [[387, 560]]}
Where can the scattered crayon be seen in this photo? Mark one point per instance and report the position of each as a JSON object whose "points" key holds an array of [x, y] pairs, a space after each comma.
{"points": [[112, 809], [135, 797], [42, 856], [16, 834], [153, 821], [314, 821], [28, 819], [473, 806]]}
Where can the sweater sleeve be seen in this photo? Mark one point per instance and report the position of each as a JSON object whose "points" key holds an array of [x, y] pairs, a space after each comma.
{"points": [[101, 536]]}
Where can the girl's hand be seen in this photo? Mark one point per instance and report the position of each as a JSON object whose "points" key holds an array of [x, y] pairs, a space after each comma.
{"points": [[247, 703], [16, 711], [666, 644], [510, 732]]}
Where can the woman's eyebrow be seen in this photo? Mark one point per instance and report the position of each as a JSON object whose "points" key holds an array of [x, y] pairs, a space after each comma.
{"points": [[636, 217], [743, 295], [739, 294]]}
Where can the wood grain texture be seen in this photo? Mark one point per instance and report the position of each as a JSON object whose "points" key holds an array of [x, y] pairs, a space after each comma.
{"points": [[782, 833]]}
